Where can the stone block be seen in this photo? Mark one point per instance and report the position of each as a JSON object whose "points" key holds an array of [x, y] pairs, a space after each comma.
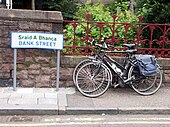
{"points": [[35, 26], [6, 67], [42, 60], [35, 16], [27, 83], [46, 71], [53, 73], [33, 72], [66, 70], [42, 81], [34, 66], [21, 66], [32, 52], [4, 31], [66, 83], [44, 26], [2, 22], [27, 59], [4, 42], [57, 28], [13, 28], [22, 74], [70, 61], [66, 77], [62, 84], [10, 22]]}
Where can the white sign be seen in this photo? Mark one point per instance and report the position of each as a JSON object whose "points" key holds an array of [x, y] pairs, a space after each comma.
{"points": [[36, 40]]}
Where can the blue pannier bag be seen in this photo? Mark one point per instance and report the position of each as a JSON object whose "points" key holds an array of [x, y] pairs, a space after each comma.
{"points": [[147, 65]]}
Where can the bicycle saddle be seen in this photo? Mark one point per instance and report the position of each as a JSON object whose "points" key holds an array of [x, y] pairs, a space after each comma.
{"points": [[130, 46]]}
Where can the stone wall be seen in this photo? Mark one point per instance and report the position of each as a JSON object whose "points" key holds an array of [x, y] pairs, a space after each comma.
{"points": [[35, 67]]}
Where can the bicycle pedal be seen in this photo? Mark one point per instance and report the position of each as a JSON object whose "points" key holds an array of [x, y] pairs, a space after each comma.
{"points": [[116, 85]]}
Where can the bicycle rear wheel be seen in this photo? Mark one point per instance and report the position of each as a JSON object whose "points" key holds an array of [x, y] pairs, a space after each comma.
{"points": [[93, 79], [144, 85]]}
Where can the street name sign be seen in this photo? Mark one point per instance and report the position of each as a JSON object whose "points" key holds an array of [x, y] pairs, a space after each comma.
{"points": [[36, 40]]}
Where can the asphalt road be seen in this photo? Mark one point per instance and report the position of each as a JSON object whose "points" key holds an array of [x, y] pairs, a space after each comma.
{"points": [[86, 121]]}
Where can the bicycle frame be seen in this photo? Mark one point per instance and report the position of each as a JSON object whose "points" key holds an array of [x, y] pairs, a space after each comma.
{"points": [[128, 62]]}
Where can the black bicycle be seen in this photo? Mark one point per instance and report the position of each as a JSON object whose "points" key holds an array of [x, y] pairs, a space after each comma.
{"points": [[94, 75]]}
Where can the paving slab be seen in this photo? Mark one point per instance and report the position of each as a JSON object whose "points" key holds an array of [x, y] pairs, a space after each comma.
{"points": [[15, 95], [3, 100], [32, 95], [1, 90], [48, 101], [24, 90], [79, 101], [51, 95], [5, 95], [18, 101], [70, 90], [44, 90], [62, 100], [8, 90]]}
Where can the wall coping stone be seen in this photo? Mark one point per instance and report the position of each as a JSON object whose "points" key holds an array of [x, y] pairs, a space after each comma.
{"points": [[72, 61], [31, 15]]}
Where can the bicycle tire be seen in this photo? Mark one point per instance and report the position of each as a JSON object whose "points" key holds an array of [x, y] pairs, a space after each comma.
{"points": [[141, 84], [93, 79], [78, 66]]}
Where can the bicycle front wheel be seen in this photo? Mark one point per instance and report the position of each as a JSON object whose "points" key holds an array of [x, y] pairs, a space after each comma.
{"points": [[93, 79], [144, 85], [79, 65]]}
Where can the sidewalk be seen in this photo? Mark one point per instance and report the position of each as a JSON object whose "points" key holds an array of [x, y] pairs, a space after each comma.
{"points": [[46, 101]]}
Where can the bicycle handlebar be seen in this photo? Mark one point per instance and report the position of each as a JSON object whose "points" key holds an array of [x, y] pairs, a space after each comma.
{"points": [[105, 46], [93, 42]]}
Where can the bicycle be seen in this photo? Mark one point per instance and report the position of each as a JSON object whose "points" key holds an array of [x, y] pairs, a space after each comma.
{"points": [[89, 59], [95, 75]]}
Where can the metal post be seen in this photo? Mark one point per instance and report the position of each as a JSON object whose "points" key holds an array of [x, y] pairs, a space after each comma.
{"points": [[15, 69], [58, 70], [33, 5], [10, 4]]}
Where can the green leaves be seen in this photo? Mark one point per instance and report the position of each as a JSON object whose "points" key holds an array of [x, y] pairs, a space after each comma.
{"points": [[99, 12], [67, 7], [154, 11]]}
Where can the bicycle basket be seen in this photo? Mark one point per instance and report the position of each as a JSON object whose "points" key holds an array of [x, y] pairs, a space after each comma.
{"points": [[147, 64]]}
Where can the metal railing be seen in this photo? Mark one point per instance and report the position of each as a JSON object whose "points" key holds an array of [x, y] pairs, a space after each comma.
{"points": [[149, 38]]}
